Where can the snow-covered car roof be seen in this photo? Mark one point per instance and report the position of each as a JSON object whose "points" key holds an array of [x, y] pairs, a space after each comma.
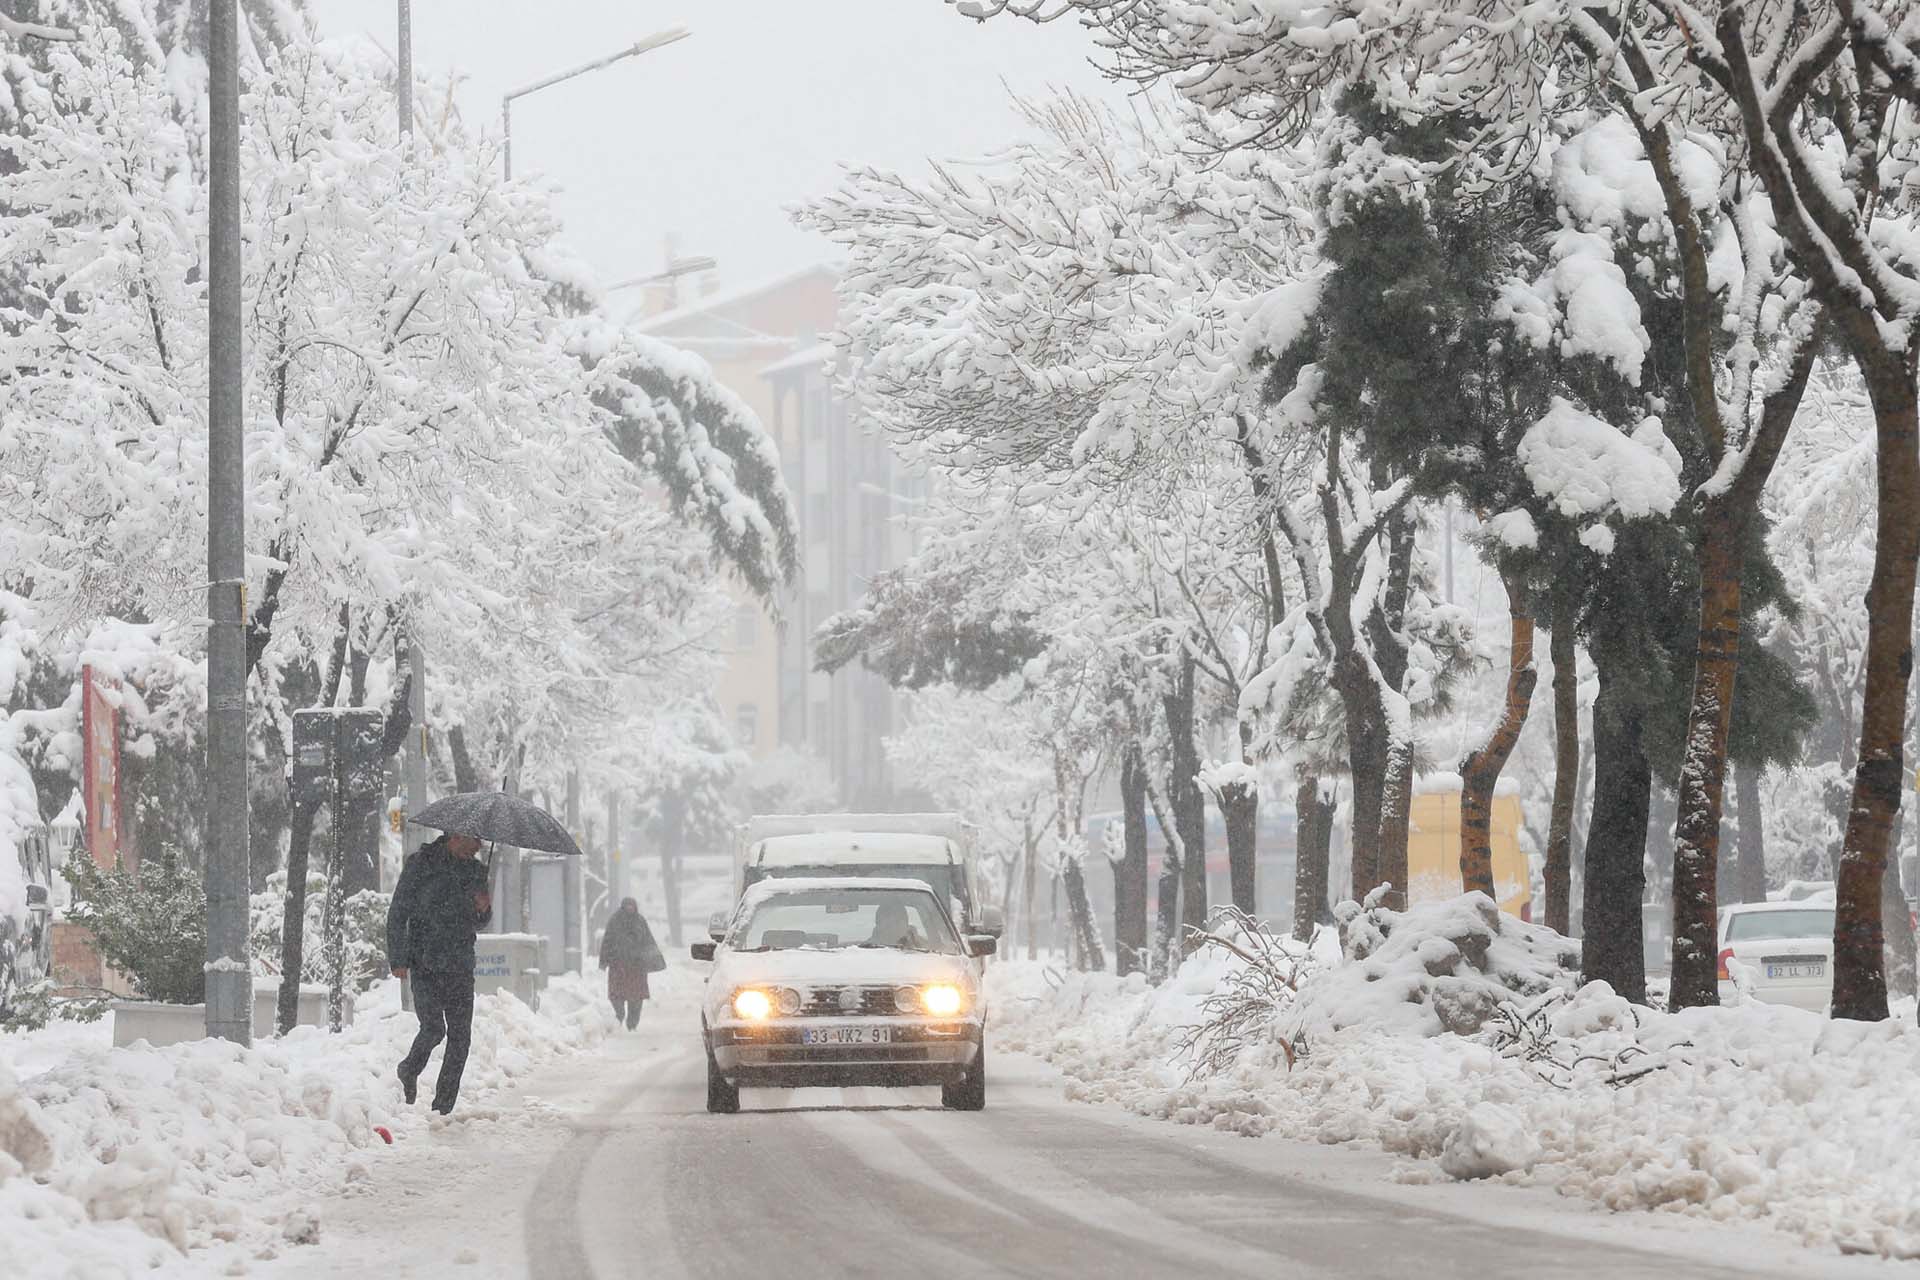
{"points": [[759, 892], [1798, 904], [852, 848]]}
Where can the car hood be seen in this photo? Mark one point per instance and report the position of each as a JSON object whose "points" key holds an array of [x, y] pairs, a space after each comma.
{"points": [[835, 968]]}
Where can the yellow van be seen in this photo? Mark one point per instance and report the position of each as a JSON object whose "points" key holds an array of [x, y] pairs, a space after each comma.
{"points": [[1433, 849]]}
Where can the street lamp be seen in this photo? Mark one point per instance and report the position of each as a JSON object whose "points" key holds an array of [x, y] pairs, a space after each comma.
{"points": [[671, 276], [654, 41]]}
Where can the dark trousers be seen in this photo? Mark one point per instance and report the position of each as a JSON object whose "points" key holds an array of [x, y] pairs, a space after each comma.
{"points": [[444, 1002], [629, 1010]]}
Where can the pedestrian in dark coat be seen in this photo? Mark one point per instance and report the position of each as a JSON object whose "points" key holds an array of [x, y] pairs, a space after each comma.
{"points": [[439, 907], [628, 953]]}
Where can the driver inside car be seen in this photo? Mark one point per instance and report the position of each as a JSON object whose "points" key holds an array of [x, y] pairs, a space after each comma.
{"points": [[891, 928]]}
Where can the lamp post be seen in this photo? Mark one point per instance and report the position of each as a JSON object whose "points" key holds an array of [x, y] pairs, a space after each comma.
{"points": [[229, 972], [657, 40], [677, 268]]}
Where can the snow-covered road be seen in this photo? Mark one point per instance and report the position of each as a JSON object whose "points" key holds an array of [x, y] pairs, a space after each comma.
{"points": [[610, 1166]]}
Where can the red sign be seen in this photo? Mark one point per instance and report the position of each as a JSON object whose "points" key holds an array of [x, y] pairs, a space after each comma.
{"points": [[100, 736]]}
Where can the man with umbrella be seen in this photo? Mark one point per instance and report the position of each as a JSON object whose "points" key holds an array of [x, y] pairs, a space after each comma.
{"points": [[439, 907]]}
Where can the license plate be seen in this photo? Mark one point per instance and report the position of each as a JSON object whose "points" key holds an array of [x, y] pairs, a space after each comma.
{"points": [[846, 1035], [1790, 972]]}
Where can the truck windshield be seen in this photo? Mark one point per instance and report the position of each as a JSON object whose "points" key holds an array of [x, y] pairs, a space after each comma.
{"points": [[832, 919]]}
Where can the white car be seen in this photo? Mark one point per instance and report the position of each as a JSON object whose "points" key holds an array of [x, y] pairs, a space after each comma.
{"points": [[840, 982], [1779, 952]]}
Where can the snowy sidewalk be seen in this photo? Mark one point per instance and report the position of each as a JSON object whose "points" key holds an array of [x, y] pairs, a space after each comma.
{"points": [[1756, 1113], [203, 1158]]}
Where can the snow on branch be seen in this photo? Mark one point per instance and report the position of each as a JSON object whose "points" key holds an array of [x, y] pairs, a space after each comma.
{"points": [[35, 30]]}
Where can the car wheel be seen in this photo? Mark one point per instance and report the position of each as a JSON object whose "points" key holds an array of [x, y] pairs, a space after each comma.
{"points": [[969, 1092], [723, 1099]]}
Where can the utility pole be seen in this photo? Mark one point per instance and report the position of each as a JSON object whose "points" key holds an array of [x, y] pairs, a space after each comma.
{"points": [[573, 939], [414, 765], [229, 968], [654, 41], [406, 68]]}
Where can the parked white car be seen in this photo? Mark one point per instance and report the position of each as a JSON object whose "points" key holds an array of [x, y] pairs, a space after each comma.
{"points": [[1779, 952], [843, 981]]}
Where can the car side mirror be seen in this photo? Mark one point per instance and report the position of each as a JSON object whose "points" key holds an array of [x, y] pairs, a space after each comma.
{"points": [[717, 925], [704, 950], [36, 895], [980, 944], [993, 921]]}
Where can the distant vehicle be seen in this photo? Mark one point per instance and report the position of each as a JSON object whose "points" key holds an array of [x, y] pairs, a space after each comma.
{"points": [[840, 982], [1779, 952], [936, 848]]}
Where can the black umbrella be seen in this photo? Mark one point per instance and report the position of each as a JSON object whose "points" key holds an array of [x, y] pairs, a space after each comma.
{"points": [[499, 818]]}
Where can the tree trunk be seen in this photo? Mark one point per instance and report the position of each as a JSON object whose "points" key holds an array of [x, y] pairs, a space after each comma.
{"points": [[1859, 972], [1367, 761], [1566, 764], [1396, 816], [1029, 849], [1130, 873], [1166, 925], [1897, 922], [465, 777], [1312, 837], [1616, 876], [673, 840], [1240, 812], [1188, 800], [1480, 771], [1702, 785], [1752, 836], [1386, 637], [1089, 952]]}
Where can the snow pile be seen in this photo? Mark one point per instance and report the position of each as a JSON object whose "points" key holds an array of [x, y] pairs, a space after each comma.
{"points": [[1752, 1112], [118, 1160]]}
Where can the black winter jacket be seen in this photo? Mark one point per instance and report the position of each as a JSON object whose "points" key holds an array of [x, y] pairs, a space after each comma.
{"points": [[435, 914]]}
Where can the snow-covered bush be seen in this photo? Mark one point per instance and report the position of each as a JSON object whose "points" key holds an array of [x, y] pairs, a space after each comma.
{"points": [[1439, 967], [151, 924], [366, 931], [1263, 979]]}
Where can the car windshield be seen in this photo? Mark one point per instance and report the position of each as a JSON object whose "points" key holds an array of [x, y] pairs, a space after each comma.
{"points": [[830, 919], [1768, 926]]}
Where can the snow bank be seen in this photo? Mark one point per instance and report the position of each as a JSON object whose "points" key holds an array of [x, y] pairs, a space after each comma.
{"points": [[1755, 1112], [116, 1161]]}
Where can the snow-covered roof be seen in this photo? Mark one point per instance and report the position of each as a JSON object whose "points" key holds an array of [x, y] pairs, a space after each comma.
{"points": [[666, 320], [852, 848], [815, 357]]}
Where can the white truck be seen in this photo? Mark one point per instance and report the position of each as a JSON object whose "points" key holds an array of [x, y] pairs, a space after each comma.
{"points": [[936, 848]]}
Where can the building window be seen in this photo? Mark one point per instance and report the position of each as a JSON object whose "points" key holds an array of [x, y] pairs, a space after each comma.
{"points": [[746, 724], [746, 627]]}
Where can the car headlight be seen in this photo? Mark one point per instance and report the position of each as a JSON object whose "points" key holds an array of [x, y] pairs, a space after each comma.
{"points": [[942, 1000], [789, 1002], [752, 1004]]}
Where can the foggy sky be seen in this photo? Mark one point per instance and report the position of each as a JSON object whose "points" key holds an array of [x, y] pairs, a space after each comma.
{"points": [[707, 138]]}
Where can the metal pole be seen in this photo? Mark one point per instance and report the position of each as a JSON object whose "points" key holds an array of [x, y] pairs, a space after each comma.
{"points": [[657, 40], [406, 68], [414, 769], [574, 886], [229, 970]]}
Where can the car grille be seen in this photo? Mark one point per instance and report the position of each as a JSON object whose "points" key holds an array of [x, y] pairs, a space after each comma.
{"points": [[843, 1002], [861, 1052]]}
